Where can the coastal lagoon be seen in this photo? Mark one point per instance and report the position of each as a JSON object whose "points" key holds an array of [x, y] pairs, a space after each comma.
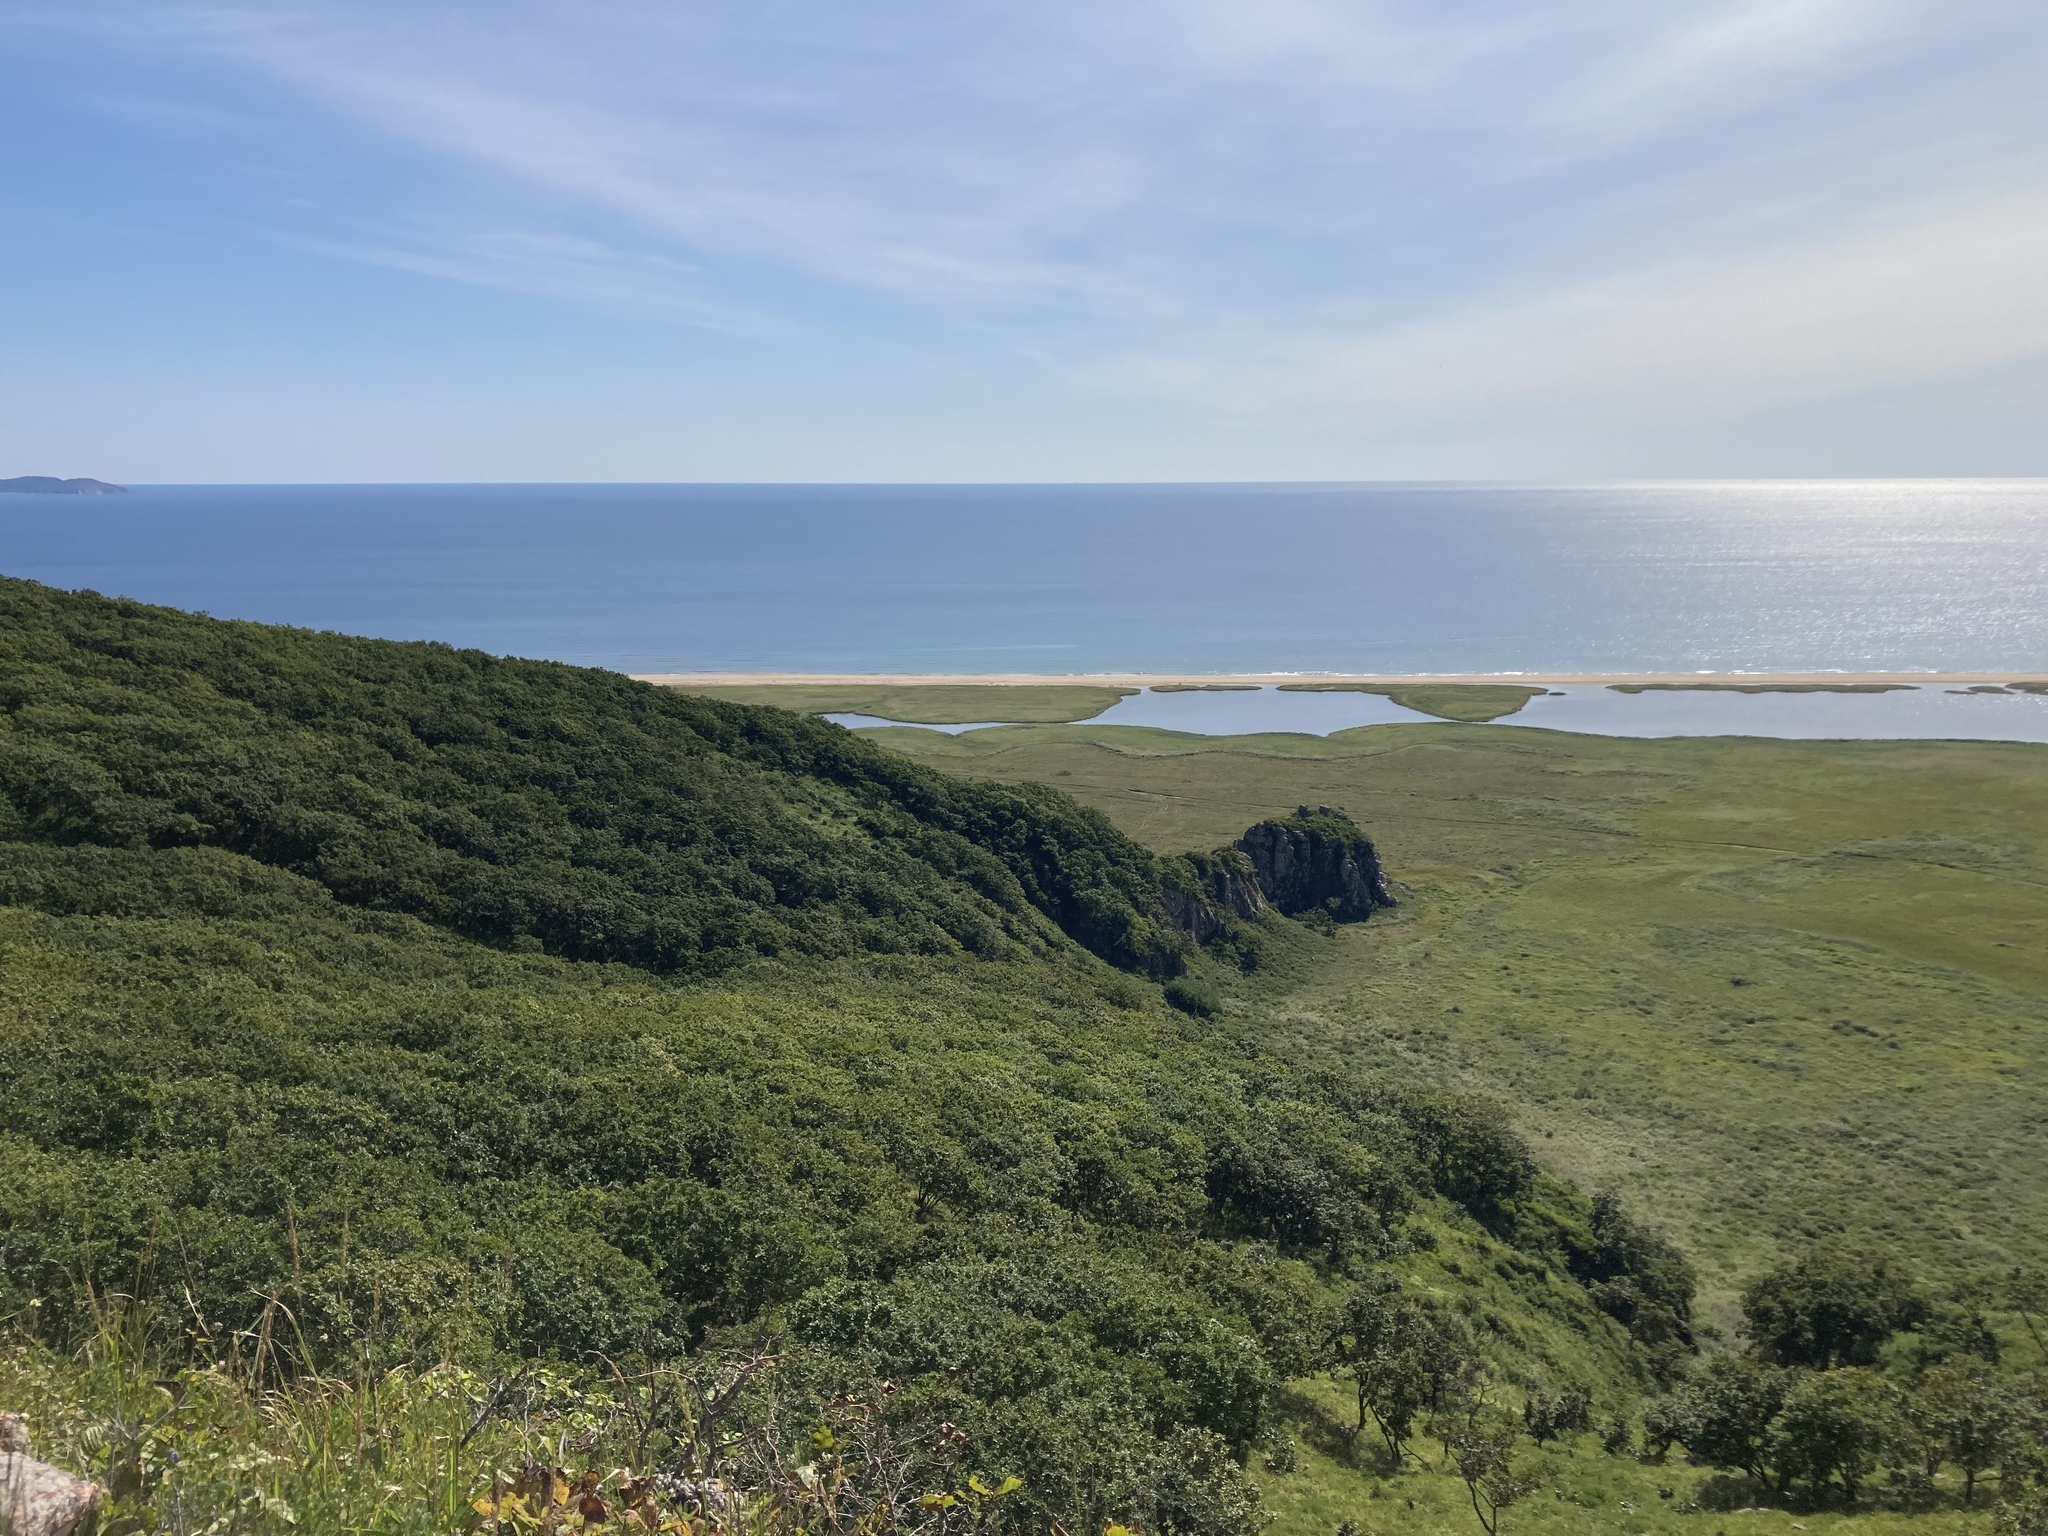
{"points": [[1932, 711], [1786, 576]]}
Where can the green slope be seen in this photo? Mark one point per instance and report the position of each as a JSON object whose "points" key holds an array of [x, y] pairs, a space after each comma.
{"points": [[525, 802], [1582, 911], [391, 1005], [374, 1012]]}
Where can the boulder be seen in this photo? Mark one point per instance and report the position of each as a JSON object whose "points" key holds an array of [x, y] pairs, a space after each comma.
{"points": [[35, 1498]]}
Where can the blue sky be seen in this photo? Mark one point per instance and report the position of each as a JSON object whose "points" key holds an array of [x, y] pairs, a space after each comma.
{"points": [[903, 240]]}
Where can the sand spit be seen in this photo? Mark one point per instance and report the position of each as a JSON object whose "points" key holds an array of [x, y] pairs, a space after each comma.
{"points": [[1274, 679]]}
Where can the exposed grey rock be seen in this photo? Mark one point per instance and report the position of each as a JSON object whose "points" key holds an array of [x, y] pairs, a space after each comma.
{"points": [[1317, 860], [1226, 886]]}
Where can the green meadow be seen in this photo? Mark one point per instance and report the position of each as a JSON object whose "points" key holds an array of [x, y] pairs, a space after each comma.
{"points": [[1775, 990], [1468, 702]]}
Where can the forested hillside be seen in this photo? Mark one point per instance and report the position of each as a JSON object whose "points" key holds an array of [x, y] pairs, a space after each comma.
{"points": [[529, 803]]}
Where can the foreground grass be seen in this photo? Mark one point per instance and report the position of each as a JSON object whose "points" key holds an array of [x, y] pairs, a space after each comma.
{"points": [[218, 1449], [931, 704], [1769, 991], [1579, 1489], [243, 1443]]}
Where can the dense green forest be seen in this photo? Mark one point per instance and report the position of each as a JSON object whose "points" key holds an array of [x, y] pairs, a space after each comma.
{"points": [[517, 1061]]}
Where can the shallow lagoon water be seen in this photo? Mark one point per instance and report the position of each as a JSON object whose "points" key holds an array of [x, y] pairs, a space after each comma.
{"points": [[1933, 712]]}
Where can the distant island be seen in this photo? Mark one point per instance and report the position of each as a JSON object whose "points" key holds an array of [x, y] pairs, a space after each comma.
{"points": [[50, 485]]}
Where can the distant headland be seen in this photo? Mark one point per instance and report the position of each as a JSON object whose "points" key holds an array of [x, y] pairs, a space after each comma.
{"points": [[50, 485]]}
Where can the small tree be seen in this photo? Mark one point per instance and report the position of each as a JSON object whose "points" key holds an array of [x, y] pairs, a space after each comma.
{"points": [[1724, 1415], [1546, 1415], [1479, 1440], [1967, 1416], [1835, 1424], [1397, 1356], [1664, 1424]]}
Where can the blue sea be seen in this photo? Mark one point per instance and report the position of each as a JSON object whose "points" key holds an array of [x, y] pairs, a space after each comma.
{"points": [[1384, 578]]}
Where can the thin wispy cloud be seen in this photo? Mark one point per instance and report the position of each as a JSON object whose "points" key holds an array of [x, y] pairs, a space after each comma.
{"points": [[1456, 219], [1964, 289], [552, 265]]}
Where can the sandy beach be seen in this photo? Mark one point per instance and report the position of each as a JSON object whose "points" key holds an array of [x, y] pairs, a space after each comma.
{"points": [[1272, 679]]}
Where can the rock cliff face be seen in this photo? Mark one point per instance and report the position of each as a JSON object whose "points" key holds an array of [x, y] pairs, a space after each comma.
{"points": [[1317, 860], [1224, 886]]}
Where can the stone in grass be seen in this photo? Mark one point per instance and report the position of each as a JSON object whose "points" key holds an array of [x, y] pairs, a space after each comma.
{"points": [[35, 1498]]}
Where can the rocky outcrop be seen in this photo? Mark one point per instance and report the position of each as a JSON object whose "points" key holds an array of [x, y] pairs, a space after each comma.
{"points": [[35, 1498], [1213, 888], [1312, 861], [1317, 860]]}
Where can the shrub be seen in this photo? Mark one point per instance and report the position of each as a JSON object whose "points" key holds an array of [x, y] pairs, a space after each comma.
{"points": [[1834, 1424], [1724, 1415], [1197, 1488], [1547, 1415]]}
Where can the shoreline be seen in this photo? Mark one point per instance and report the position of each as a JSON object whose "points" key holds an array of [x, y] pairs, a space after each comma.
{"points": [[1272, 679]]}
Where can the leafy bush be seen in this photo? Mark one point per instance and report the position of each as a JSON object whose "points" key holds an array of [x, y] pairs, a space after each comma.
{"points": [[1725, 1415], [1834, 1425], [1830, 1308], [1547, 1415]]}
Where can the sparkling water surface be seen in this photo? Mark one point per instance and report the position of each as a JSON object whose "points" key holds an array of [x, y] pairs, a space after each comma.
{"points": [[1725, 576], [1768, 576]]}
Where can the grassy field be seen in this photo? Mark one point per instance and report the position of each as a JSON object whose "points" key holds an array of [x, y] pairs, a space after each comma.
{"points": [[1472, 703], [1768, 990], [932, 704]]}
